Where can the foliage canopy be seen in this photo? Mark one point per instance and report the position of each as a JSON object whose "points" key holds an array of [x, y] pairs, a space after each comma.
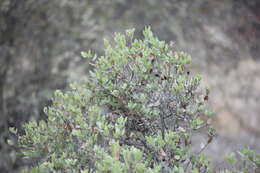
{"points": [[136, 112]]}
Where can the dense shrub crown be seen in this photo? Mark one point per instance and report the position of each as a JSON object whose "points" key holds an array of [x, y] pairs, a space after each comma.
{"points": [[135, 113]]}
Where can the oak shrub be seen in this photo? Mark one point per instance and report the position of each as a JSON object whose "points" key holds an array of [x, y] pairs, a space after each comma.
{"points": [[136, 112]]}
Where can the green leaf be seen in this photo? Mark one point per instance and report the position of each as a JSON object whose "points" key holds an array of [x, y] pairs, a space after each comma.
{"points": [[87, 54]]}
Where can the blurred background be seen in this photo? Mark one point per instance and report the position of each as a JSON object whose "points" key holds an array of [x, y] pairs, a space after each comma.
{"points": [[41, 41]]}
